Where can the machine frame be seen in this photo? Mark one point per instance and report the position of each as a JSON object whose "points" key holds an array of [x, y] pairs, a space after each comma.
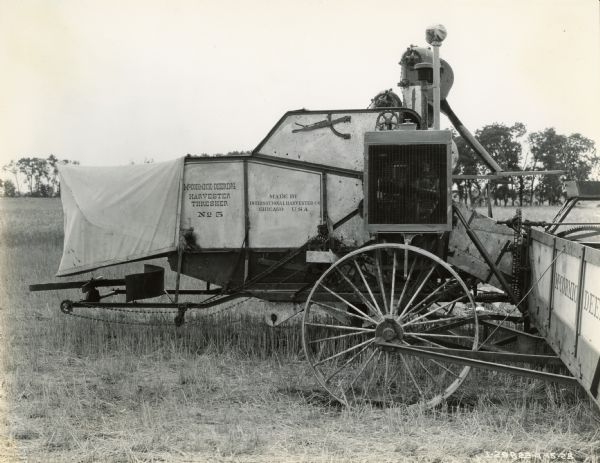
{"points": [[393, 312]]}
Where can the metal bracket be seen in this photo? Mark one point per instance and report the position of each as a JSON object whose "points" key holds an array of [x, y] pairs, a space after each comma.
{"points": [[463, 358], [180, 317], [561, 215], [326, 123]]}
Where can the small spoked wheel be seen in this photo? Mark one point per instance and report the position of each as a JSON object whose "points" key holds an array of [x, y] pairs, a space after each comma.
{"points": [[387, 120], [379, 297]]}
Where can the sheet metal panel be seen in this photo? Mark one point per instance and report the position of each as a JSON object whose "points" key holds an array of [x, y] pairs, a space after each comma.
{"points": [[344, 196], [588, 348], [213, 203], [284, 205], [541, 275], [283, 202], [321, 145], [564, 304], [565, 293]]}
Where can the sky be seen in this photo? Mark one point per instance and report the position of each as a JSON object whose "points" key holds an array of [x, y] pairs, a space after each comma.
{"points": [[118, 81]]}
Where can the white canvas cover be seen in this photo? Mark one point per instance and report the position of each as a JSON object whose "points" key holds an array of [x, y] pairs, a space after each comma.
{"points": [[118, 214]]}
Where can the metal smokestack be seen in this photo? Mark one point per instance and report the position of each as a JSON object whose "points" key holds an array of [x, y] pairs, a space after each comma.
{"points": [[435, 35]]}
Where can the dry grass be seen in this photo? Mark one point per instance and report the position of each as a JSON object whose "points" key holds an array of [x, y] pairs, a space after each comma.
{"points": [[228, 389]]}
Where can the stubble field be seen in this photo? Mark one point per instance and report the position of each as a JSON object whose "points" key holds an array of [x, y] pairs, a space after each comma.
{"points": [[228, 387]]}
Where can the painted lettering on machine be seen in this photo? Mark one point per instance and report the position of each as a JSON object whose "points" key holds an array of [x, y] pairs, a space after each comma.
{"points": [[284, 206], [589, 343], [590, 301], [591, 304], [213, 204], [566, 287], [280, 202], [209, 195]]}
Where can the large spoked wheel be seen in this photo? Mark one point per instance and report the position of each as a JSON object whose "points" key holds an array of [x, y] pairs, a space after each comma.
{"points": [[399, 294]]}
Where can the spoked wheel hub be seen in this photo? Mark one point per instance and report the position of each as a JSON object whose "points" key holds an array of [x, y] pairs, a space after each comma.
{"points": [[377, 297], [389, 330]]}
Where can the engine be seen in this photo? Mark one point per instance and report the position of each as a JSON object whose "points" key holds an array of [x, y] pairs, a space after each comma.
{"points": [[407, 178]]}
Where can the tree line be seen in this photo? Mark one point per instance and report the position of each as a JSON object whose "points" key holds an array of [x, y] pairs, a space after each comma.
{"points": [[33, 177], [515, 150]]}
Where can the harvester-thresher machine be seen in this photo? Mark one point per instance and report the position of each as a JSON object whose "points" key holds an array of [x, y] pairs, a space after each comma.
{"points": [[349, 214]]}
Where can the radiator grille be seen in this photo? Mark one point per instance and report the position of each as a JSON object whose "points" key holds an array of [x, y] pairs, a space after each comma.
{"points": [[407, 184]]}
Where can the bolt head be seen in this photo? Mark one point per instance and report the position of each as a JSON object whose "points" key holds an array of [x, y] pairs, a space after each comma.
{"points": [[388, 334]]}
